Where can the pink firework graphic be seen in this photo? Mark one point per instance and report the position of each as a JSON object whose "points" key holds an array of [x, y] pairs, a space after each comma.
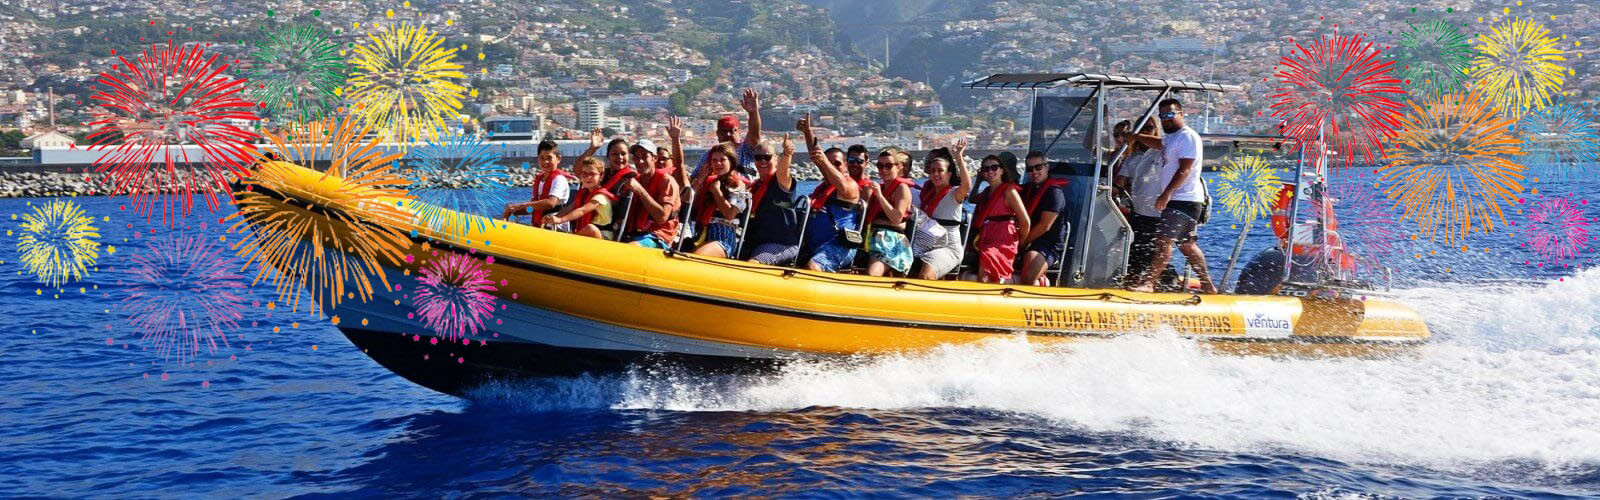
{"points": [[183, 292], [1367, 221], [1340, 90], [171, 125], [452, 295], [1558, 228]]}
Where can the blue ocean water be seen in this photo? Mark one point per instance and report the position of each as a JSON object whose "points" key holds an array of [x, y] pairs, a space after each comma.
{"points": [[1505, 402]]}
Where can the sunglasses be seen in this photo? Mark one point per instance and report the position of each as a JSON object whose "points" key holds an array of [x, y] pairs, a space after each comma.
{"points": [[1169, 115], [1040, 166], [762, 157], [885, 165], [856, 161], [987, 168]]}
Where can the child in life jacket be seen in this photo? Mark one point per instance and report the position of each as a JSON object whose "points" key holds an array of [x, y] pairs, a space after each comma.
{"points": [[551, 187], [591, 206]]}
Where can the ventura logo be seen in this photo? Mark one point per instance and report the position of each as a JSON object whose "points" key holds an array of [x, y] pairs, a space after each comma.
{"points": [[1261, 320]]}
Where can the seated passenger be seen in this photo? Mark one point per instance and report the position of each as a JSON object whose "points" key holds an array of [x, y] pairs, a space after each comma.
{"points": [[550, 186], [888, 205], [1001, 220], [654, 215], [722, 198], [616, 174], [1046, 242], [774, 232], [832, 235], [591, 206], [940, 199]]}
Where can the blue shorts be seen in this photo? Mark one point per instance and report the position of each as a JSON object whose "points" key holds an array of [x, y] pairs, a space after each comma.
{"points": [[725, 235], [835, 255], [1051, 253], [650, 241]]}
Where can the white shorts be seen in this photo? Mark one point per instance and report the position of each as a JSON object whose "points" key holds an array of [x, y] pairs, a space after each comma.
{"points": [[945, 256]]}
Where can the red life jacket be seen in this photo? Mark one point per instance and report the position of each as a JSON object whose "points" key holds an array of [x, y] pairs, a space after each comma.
{"points": [[759, 191], [583, 197], [1038, 194], [823, 192], [889, 187], [994, 200], [541, 190], [657, 188], [705, 207], [618, 177], [931, 197]]}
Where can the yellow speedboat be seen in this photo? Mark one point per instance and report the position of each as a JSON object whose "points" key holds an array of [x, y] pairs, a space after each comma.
{"points": [[577, 305], [571, 305]]}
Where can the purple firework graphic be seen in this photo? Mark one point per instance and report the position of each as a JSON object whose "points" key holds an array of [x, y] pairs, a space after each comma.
{"points": [[183, 292], [1558, 228], [1366, 221], [452, 295]]}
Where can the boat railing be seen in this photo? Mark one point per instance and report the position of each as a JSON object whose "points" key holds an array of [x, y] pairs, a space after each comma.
{"points": [[805, 219], [683, 220]]}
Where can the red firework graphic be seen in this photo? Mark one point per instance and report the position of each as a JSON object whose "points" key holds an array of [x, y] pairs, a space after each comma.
{"points": [[171, 125], [1338, 89]]}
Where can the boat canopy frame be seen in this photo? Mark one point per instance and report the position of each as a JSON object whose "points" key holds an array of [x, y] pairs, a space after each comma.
{"points": [[1098, 84]]}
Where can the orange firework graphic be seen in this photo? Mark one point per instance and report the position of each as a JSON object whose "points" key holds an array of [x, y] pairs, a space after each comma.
{"points": [[302, 226], [1451, 165]]}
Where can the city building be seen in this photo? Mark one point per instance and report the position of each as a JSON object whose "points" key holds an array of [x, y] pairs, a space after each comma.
{"points": [[632, 102], [591, 114], [513, 128]]}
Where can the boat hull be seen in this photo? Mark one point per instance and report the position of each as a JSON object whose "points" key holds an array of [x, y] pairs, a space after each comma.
{"points": [[568, 305]]}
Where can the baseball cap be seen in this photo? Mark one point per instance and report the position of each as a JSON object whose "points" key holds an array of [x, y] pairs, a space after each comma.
{"points": [[646, 144], [729, 122]]}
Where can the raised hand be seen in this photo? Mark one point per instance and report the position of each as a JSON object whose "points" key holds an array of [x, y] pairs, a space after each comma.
{"points": [[788, 145], [804, 124], [959, 149], [674, 127], [597, 138], [751, 101]]}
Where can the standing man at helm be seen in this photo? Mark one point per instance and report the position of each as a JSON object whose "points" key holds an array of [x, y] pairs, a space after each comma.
{"points": [[1179, 195]]}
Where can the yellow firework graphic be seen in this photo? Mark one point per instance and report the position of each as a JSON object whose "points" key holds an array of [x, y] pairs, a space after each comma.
{"points": [[405, 82], [57, 242], [317, 243], [1452, 166], [1517, 66], [1248, 187]]}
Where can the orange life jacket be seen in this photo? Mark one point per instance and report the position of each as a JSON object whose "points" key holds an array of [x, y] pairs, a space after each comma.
{"points": [[889, 186], [657, 188], [995, 199], [823, 192], [705, 207], [541, 189], [1038, 194], [930, 197], [583, 197]]}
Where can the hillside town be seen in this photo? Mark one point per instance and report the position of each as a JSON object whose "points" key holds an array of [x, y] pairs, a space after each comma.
{"points": [[876, 74]]}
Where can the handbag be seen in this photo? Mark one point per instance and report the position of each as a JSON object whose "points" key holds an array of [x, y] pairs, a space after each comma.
{"points": [[928, 233]]}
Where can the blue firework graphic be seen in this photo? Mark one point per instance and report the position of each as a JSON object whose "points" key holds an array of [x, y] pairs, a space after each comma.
{"points": [[459, 183], [1561, 141]]}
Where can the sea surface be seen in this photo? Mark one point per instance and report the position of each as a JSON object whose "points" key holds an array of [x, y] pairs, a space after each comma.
{"points": [[1504, 402]]}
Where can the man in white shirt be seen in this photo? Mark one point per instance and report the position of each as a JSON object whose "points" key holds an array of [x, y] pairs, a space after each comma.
{"points": [[1176, 195]]}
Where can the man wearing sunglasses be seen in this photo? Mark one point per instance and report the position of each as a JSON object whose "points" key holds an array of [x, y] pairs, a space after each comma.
{"points": [[1045, 198], [1179, 195]]}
